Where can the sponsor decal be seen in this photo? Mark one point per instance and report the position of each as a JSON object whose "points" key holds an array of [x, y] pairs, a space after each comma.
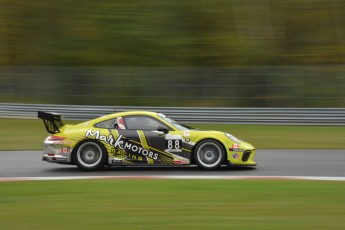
{"points": [[121, 144], [117, 161], [187, 140], [235, 146], [64, 150], [235, 155], [123, 154], [61, 159], [186, 133], [236, 150], [180, 162]]}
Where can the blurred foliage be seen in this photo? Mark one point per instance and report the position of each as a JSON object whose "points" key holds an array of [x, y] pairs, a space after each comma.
{"points": [[172, 33], [294, 48]]}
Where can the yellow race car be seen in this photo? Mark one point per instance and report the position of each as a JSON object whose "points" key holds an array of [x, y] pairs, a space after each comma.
{"points": [[141, 138]]}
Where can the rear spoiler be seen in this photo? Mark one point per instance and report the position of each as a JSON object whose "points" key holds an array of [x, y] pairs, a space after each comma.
{"points": [[52, 121]]}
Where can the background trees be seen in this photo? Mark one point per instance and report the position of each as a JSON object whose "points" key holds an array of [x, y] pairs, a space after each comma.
{"points": [[221, 52]]}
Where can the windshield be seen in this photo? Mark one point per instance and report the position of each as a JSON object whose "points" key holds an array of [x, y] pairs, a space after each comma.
{"points": [[176, 124]]}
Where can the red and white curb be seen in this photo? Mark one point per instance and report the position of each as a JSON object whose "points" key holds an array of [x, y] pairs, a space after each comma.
{"points": [[3, 179]]}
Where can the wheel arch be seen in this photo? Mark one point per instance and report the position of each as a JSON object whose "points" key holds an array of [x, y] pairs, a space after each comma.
{"points": [[192, 160], [76, 147]]}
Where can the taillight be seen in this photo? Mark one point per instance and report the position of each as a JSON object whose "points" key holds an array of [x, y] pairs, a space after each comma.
{"points": [[56, 138]]}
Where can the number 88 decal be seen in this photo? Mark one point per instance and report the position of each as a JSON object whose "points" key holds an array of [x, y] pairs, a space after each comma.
{"points": [[174, 145]]}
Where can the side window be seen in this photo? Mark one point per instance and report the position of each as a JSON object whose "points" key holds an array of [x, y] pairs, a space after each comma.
{"points": [[143, 123], [115, 123], [106, 124]]}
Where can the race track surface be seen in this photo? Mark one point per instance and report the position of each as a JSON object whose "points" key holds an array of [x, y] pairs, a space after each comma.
{"points": [[320, 163], [330, 163]]}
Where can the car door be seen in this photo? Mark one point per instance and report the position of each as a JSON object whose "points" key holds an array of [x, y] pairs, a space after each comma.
{"points": [[144, 144]]}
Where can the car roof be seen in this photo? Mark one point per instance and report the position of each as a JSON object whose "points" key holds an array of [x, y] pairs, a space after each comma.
{"points": [[149, 113], [128, 113]]}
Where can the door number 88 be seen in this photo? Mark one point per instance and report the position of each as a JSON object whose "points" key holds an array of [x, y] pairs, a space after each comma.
{"points": [[174, 144]]}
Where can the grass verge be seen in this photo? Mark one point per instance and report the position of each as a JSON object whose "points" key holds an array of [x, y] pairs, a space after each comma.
{"points": [[25, 134], [172, 204]]}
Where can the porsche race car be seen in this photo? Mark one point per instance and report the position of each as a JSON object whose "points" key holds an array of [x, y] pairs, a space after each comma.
{"points": [[141, 138]]}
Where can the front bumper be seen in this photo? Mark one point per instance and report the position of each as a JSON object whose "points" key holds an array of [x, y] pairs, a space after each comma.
{"points": [[241, 158]]}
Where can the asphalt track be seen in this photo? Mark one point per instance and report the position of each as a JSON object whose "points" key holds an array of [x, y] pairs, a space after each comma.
{"points": [[318, 163]]}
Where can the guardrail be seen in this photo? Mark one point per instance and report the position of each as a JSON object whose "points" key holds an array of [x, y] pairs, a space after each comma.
{"points": [[278, 116]]}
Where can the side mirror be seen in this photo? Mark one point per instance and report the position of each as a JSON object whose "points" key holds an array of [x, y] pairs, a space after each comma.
{"points": [[116, 126], [163, 129]]}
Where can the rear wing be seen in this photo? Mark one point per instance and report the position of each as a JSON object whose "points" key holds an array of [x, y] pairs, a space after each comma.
{"points": [[52, 121]]}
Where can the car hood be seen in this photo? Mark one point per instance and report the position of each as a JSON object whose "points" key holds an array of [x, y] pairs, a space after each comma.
{"points": [[212, 133]]}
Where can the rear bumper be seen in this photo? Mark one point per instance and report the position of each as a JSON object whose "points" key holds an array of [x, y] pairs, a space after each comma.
{"points": [[56, 152], [56, 159]]}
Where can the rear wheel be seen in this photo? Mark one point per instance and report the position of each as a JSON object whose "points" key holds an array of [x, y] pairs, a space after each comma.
{"points": [[209, 154], [90, 156]]}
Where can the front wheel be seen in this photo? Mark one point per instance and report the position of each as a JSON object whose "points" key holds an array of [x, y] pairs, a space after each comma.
{"points": [[90, 156], [209, 154]]}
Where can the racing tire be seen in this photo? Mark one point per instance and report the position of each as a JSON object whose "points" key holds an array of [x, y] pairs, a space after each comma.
{"points": [[209, 154], [90, 156]]}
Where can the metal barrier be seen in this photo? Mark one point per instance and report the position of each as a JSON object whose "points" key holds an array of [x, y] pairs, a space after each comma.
{"points": [[273, 116]]}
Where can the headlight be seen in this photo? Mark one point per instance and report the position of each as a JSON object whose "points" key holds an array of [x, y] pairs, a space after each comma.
{"points": [[231, 137]]}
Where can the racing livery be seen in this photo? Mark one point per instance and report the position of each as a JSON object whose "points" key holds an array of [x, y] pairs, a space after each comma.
{"points": [[142, 138]]}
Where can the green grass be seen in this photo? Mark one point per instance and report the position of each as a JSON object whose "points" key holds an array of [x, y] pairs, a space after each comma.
{"points": [[172, 204], [22, 134], [25, 134]]}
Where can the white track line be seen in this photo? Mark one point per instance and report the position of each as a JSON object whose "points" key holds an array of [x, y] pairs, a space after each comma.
{"points": [[3, 179]]}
